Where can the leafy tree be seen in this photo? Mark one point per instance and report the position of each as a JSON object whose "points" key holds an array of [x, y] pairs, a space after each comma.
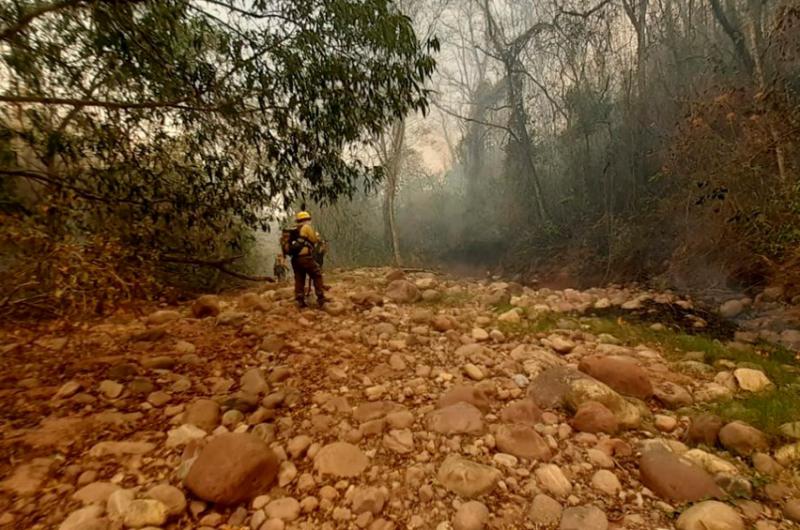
{"points": [[170, 122]]}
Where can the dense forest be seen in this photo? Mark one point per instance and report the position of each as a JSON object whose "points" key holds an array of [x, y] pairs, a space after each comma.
{"points": [[617, 141], [622, 140]]}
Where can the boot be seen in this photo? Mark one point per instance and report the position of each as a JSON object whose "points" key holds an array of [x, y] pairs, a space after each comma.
{"points": [[301, 304]]}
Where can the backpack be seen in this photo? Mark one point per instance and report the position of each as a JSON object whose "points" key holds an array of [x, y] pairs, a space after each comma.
{"points": [[291, 242]]}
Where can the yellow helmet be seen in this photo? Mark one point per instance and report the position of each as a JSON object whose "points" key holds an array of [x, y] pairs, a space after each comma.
{"points": [[302, 216]]}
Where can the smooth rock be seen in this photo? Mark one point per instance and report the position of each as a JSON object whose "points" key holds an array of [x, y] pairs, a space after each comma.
{"points": [[522, 441], [253, 381], [713, 464], [341, 459], [583, 518], [89, 518], [466, 478], [672, 396], [206, 305], [469, 394], [95, 493], [140, 513], [203, 413], [522, 411], [472, 515], [117, 449], [402, 292], [368, 499], [583, 390], [710, 515], [623, 375], [545, 511], [169, 496], [473, 372], [399, 440], [731, 309], [742, 439], [594, 417], [110, 389], [606, 481], [752, 380], [704, 429], [232, 468], [553, 481], [184, 434], [791, 510], [674, 479], [459, 418], [285, 509]]}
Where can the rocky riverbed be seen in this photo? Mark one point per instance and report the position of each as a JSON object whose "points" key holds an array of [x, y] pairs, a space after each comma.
{"points": [[413, 401]]}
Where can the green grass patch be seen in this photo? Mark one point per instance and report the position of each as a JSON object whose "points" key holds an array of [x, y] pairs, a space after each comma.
{"points": [[502, 308], [450, 300], [769, 358], [766, 411], [541, 323]]}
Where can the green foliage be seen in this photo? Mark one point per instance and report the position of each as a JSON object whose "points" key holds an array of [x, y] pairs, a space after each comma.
{"points": [[459, 299], [164, 115], [766, 411], [539, 323]]}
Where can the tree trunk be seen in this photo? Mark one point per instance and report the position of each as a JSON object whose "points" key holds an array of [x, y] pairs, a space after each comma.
{"points": [[519, 125], [754, 35], [392, 160]]}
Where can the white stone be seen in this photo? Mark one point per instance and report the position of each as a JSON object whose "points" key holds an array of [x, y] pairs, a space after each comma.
{"points": [[471, 515], [184, 434], [285, 509], [473, 372], [512, 316], [553, 481], [751, 380], [607, 482]]}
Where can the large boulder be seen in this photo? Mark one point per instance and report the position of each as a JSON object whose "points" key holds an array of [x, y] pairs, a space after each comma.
{"points": [[466, 478], [561, 386], [459, 418], [549, 388], [402, 292], [622, 374], [522, 441], [742, 439], [583, 390], [674, 479], [232, 468]]}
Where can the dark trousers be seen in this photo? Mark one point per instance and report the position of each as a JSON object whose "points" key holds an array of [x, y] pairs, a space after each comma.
{"points": [[307, 266]]}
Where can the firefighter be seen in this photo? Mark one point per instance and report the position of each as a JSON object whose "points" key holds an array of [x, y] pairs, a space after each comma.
{"points": [[300, 243]]}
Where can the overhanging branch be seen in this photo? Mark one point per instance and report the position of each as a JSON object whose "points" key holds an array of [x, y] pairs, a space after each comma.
{"points": [[219, 264]]}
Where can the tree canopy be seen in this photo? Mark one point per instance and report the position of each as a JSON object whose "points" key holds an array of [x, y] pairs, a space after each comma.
{"points": [[156, 117]]}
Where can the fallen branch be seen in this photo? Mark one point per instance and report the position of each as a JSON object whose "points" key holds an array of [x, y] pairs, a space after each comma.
{"points": [[218, 264]]}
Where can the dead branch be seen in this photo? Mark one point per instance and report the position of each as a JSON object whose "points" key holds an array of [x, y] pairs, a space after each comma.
{"points": [[218, 264]]}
